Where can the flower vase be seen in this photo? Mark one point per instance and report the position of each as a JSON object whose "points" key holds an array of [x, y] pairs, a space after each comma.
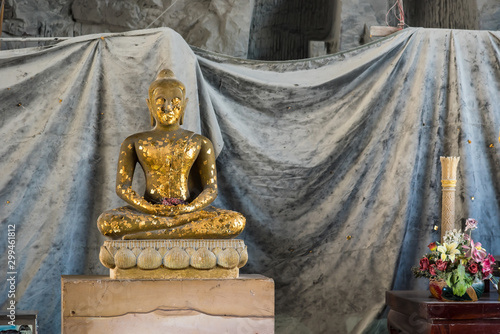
{"points": [[441, 291]]}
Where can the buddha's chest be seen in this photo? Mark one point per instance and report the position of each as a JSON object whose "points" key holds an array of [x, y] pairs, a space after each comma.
{"points": [[167, 155]]}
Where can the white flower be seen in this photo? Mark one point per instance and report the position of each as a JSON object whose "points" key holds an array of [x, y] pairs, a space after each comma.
{"points": [[453, 236], [448, 251]]}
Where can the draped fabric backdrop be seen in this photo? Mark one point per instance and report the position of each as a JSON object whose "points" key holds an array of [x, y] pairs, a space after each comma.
{"points": [[333, 160]]}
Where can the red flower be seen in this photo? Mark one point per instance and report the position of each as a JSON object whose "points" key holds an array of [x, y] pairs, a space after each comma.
{"points": [[432, 269], [432, 246], [424, 264], [441, 265], [473, 267]]}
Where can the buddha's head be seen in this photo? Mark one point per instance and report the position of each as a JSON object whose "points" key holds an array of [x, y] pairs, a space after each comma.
{"points": [[167, 99]]}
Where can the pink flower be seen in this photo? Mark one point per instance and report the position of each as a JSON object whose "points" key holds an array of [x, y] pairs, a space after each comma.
{"points": [[487, 263], [441, 265], [424, 264], [491, 258], [432, 269], [475, 251], [470, 224], [473, 267], [432, 246]]}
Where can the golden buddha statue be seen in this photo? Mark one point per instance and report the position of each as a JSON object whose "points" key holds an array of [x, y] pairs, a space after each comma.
{"points": [[181, 179]]}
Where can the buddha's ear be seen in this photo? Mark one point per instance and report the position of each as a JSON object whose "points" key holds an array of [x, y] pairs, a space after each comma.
{"points": [[181, 121], [153, 120]]}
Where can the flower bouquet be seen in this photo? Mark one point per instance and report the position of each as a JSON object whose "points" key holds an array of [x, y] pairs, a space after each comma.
{"points": [[457, 267]]}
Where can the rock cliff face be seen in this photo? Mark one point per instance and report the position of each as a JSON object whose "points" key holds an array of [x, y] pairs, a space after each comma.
{"points": [[355, 15], [223, 26], [489, 14], [283, 29], [447, 14], [217, 25]]}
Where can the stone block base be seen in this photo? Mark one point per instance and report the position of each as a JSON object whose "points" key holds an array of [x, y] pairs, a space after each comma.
{"points": [[164, 273], [98, 304]]}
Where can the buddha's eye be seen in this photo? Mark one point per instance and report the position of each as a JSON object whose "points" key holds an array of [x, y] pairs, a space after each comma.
{"points": [[160, 100], [176, 101]]}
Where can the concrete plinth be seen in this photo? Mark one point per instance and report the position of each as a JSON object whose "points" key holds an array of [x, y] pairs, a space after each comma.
{"points": [[98, 304]]}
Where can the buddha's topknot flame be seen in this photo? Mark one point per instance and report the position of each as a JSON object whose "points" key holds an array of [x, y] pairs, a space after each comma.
{"points": [[165, 74]]}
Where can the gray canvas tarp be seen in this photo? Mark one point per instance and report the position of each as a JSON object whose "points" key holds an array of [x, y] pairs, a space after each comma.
{"points": [[333, 160]]}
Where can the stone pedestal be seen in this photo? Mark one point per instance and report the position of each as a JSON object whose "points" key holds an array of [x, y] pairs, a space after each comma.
{"points": [[99, 304], [168, 259]]}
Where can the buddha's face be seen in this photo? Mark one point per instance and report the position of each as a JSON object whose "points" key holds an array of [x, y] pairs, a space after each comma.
{"points": [[167, 104]]}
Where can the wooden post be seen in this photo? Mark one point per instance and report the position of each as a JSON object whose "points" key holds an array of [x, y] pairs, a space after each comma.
{"points": [[1, 21]]}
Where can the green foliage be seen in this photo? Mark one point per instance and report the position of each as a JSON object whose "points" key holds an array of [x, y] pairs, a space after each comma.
{"points": [[459, 280]]}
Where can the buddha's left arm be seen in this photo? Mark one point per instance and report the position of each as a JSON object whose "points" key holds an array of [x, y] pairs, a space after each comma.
{"points": [[208, 175]]}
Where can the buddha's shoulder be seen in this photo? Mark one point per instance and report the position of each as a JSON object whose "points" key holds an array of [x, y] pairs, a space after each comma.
{"points": [[148, 135], [196, 138], [191, 137], [202, 140]]}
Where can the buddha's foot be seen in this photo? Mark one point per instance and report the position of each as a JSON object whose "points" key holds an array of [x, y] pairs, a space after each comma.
{"points": [[167, 259]]}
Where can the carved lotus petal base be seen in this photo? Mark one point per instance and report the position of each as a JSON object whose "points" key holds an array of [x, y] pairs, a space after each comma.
{"points": [[174, 259]]}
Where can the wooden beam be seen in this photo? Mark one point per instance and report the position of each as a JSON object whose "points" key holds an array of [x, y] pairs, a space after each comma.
{"points": [[34, 39], [381, 31], [1, 21]]}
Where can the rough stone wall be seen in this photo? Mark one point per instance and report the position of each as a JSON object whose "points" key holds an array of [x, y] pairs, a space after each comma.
{"points": [[355, 15], [489, 14], [218, 25], [282, 29], [41, 18], [449, 14]]}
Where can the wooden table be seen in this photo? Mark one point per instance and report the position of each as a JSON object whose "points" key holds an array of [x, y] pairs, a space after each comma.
{"points": [[417, 312]]}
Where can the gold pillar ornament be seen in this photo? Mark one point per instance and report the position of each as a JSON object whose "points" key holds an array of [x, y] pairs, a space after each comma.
{"points": [[448, 183]]}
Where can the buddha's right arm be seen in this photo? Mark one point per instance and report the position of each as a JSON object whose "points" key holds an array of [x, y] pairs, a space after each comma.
{"points": [[126, 167], [136, 201]]}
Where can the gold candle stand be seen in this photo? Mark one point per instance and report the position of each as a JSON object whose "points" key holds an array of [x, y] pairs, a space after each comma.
{"points": [[448, 182]]}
